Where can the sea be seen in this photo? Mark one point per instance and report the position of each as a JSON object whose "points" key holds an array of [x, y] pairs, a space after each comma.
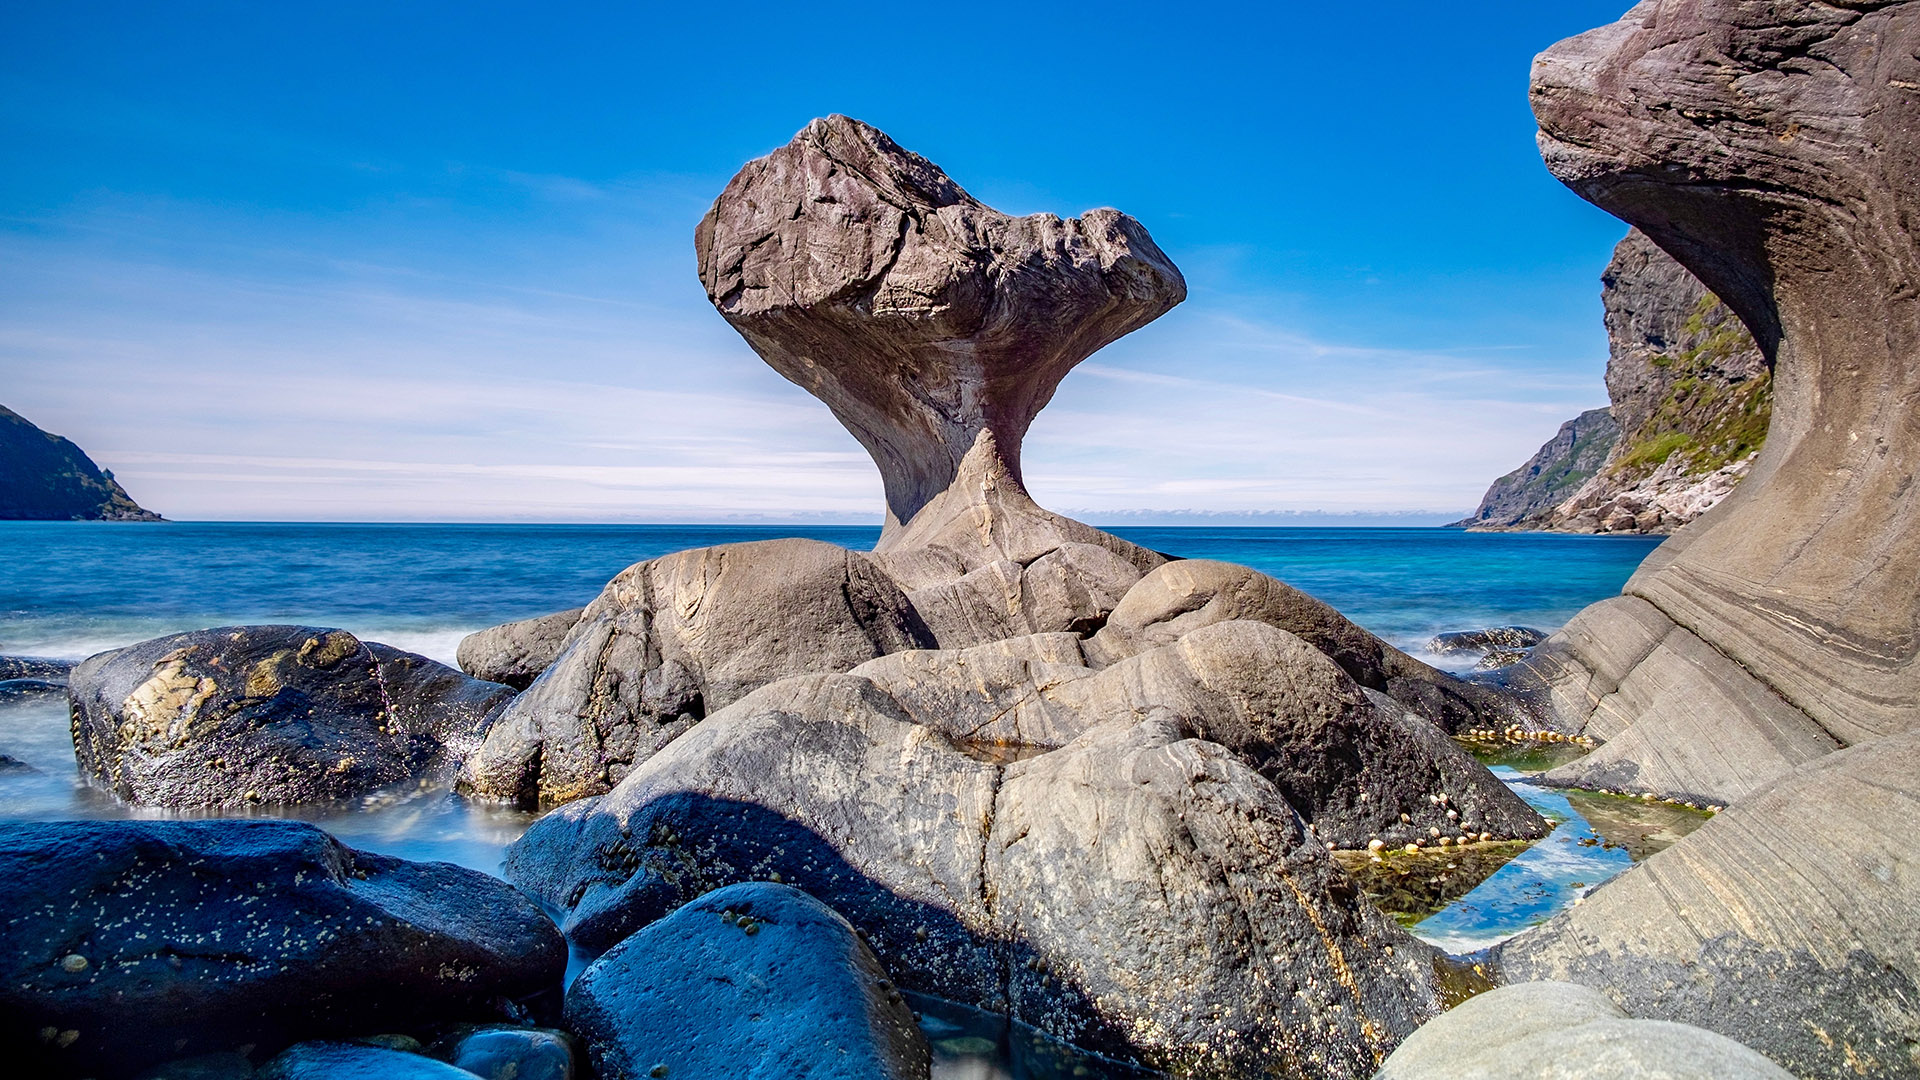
{"points": [[72, 589]]}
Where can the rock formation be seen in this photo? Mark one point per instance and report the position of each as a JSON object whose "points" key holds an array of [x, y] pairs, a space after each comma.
{"points": [[1771, 148], [44, 477], [270, 714], [126, 943], [931, 325], [1691, 397], [1136, 892], [674, 638], [516, 653], [754, 979]]}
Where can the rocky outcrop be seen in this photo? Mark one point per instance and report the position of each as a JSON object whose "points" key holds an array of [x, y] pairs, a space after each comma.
{"points": [[1691, 398], [44, 477], [516, 653], [929, 323], [126, 943], [1789, 198], [672, 639], [1771, 148], [1788, 922], [1548, 1031], [1138, 892], [755, 978], [1526, 497], [270, 714]]}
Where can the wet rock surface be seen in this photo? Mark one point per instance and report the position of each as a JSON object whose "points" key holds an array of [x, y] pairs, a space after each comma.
{"points": [[754, 978], [1548, 1030], [1210, 933], [1787, 922], [127, 943], [672, 639], [34, 667], [270, 714], [516, 653], [513, 1053]]}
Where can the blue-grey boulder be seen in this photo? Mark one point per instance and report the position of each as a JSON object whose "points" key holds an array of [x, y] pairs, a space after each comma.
{"points": [[756, 980]]}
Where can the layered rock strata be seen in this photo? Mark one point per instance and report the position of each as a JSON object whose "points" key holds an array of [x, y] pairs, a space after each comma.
{"points": [[270, 714], [1771, 148]]}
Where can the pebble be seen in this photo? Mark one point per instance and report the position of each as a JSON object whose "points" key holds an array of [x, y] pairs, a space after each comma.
{"points": [[1376, 844]]}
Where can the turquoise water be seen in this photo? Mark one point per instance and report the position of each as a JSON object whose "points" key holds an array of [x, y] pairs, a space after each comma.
{"points": [[72, 589]]}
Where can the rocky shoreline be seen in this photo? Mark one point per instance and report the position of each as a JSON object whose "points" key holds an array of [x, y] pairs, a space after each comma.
{"points": [[802, 803]]}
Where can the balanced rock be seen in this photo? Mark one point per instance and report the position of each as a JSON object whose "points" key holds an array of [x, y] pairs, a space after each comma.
{"points": [[1140, 893], [126, 943], [516, 653], [755, 979], [672, 639], [1553, 1031], [274, 714], [1770, 149], [1790, 922], [923, 318]]}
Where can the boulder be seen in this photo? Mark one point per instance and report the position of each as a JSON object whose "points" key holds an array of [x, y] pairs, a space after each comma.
{"points": [[1493, 637], [270, 714], [1143, 894], [1771, 149], [128, 943], [672, 639], [22, 689], [1073, 587], [514, 1053], [1354, 768], [1182, 596], [755, 979], [34, 667], [1790, 922], [932, 325], [355, 1061], [1550, 1031], [516, 653]]}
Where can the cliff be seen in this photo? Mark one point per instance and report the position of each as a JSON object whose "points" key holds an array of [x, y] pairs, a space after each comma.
{"points": [[44, 477], [1691, 397]]}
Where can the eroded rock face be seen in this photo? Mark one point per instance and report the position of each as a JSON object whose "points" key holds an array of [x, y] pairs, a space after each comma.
{"points": [[1771, 149], [270, 714], [755, 977], [929, 323], [126, 943], [1788, 922], [1140, 893], [672, 639]]}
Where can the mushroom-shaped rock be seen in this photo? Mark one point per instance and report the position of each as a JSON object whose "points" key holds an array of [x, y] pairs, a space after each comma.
{"points": [[126, 943], [933, 326], [273, 714], [1772, 149]]}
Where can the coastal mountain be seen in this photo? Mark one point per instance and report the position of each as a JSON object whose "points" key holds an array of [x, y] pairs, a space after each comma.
{"points": [[44, 477], [1691, 399]]}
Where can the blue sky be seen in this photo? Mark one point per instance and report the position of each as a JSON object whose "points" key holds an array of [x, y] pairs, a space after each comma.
{"points": [[434, 262]]}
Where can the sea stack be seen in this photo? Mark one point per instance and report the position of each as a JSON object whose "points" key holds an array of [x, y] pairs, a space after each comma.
{"points": [[934, 326]]}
